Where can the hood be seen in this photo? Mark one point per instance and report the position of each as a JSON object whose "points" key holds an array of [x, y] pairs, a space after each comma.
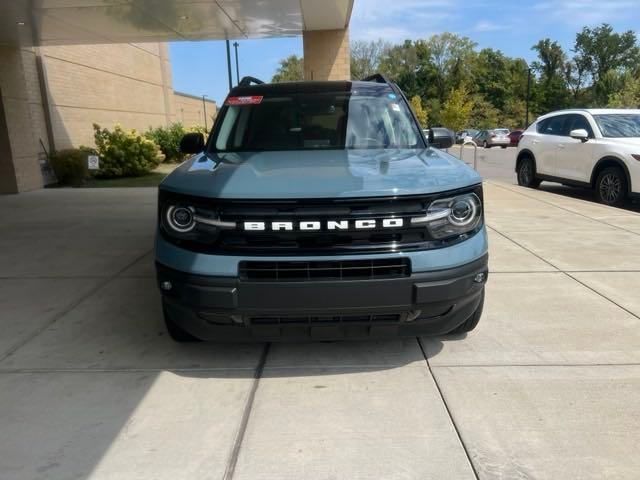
{"points": [[320, 174], [627, 141]]}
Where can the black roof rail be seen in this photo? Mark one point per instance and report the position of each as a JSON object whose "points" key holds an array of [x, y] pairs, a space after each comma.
{"points": [[378, 78], [247, 81]]}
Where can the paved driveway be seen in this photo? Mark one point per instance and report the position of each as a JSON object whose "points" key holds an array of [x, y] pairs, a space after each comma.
{"points": [[548, 386]]}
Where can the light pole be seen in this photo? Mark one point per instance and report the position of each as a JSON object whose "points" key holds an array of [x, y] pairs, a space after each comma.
{"points": [[204, 107], [526, 123], [235, 46], [229, 65]]}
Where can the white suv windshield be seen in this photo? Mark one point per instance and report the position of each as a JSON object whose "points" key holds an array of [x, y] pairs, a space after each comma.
{"points": [[619, 125], [314, 121]]}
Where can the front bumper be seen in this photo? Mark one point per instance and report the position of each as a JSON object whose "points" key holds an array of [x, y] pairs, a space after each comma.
{"points": [[224, 308]]}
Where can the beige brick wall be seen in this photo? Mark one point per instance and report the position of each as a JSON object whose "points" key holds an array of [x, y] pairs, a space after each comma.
{"points": [[126, 84], [190, 110], [326, 55], [25, 125]]}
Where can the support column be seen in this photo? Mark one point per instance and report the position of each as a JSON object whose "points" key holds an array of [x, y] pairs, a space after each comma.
{"points": [[327, 55], [24, 121]]}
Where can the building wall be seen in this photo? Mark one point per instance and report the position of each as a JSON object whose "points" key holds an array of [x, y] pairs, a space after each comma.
{"points": [[126, 84], [189, 110], [24, 123], [327, 55]]}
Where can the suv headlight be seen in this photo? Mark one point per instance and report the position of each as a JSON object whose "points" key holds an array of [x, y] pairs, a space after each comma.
{"points": [[452, 217], [180, 219]]}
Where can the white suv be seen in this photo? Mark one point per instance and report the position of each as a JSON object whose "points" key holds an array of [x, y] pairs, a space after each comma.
{"points": [[593, 148]]}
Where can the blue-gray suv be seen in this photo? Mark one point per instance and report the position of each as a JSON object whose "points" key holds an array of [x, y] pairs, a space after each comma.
{"points": [[318, 210]]}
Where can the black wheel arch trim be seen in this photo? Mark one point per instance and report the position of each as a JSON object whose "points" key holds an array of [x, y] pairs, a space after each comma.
{"points": [[525, 153], [596, 170]]}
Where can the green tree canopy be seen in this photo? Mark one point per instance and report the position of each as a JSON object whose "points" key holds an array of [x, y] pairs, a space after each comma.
{"points": [[291, 69], [456, 111], [448, 72], [420, 111]]}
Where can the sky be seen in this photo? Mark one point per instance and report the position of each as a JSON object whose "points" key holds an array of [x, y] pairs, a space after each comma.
{"points": [[200, 68]]}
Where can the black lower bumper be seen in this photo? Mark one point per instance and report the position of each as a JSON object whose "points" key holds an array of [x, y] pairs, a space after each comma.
{"points": [[218, 308]]}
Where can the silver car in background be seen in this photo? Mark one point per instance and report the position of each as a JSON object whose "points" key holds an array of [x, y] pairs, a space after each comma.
{"points": [[498, 137]]}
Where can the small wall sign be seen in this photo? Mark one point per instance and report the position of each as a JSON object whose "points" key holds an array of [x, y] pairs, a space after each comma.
{"points": [[93, 162]]}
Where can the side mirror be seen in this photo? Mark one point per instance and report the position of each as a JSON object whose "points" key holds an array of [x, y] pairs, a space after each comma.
{"points": [[192, 143], [441, 138], [580, 134]]}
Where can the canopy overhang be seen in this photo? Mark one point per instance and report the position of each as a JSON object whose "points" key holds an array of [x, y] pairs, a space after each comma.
{"points": [[60, 22]]}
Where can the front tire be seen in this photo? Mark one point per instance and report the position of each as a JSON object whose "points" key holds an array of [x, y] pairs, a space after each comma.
{"points": [[611, 187], [471, 322], [177, 333], [486, 145], [527, 173]]}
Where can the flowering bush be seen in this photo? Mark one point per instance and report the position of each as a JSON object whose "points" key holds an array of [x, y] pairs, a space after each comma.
{"points": [[124, 153]]}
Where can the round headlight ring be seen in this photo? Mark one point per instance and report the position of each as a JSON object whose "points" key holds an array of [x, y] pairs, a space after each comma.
{"points": [[181, 219], [464, 210]]}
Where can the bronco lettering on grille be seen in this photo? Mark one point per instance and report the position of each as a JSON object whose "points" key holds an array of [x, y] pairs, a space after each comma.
{"points": [[331, 225]]}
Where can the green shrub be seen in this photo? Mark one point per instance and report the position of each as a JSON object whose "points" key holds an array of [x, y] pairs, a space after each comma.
{"points": [[70, 166], [199, 129], [168, 139], [124, 153]]}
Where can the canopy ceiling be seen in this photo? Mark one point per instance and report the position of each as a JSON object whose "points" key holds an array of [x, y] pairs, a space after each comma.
{"points": [[58, 22]]}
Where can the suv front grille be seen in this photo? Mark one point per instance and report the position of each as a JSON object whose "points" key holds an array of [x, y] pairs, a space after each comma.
{"points": [[238, 241], [325, 271], [328, 319]]}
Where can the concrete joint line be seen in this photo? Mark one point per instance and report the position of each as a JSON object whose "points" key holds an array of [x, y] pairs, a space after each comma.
{"points": [[601, 295], [446, 406], [526, 249], [73, 305], [566, 209], [568, 274], [244, 421]]}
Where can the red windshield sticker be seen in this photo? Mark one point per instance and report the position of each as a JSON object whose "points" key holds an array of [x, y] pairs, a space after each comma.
{"points": [[252, 100]]}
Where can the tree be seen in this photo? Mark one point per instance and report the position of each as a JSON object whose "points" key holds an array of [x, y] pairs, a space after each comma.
{"points": [[366, 57], [419, 110], [628, 96], [603, 51], [445, 61], [483, 115], [291, 69], [492, 76], [400, 63], [552, 92], [456, 111]]}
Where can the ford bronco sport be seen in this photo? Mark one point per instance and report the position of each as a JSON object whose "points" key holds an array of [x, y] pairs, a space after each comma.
{"points": [[317, 210]]}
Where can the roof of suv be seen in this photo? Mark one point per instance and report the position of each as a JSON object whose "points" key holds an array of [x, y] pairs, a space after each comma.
{"points": [[591, 111], [306, 87]]}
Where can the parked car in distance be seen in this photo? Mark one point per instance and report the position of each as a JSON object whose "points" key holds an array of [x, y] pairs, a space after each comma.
{"points": [[595, 148], [515, 137], [498, 137], [466, 135]]}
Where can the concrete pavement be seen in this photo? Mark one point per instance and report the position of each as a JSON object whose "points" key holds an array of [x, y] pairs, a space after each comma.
{"points": [[91, 387]]}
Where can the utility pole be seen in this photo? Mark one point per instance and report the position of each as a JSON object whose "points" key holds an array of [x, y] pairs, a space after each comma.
{"points": [[229, 65], [235, 45], [526, 124], [204, 106]]}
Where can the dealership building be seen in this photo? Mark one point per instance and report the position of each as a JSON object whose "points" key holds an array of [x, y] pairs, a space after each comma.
{"points": [[66, 64]]}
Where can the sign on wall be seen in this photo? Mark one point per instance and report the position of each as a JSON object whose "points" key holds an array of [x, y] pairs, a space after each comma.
{"points": [[93, 162]]}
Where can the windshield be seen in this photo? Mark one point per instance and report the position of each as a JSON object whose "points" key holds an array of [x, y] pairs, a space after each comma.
{"points": [[315, 121], [619, 125]]}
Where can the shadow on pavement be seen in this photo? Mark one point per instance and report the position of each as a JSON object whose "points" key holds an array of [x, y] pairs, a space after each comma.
{"points": [[584, 194]]}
